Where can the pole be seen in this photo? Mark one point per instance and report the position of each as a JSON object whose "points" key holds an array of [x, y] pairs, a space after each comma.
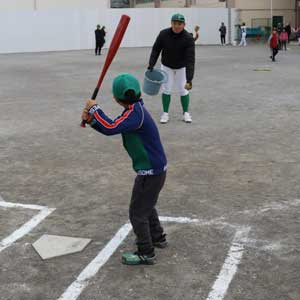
{"points": [[271, 12], [297, 3], [188, 3], [228, 6], [157, 3], [132, 3]]}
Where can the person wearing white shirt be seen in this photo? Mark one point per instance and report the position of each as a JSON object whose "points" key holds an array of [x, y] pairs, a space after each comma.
{"points": [[244, 33]]}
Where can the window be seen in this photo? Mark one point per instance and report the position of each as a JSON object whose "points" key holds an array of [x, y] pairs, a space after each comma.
{"points": [[119, 3]]}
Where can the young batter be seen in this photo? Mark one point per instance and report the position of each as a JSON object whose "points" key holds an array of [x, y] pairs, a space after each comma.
{"points": [[177, 48], [142, 142]]}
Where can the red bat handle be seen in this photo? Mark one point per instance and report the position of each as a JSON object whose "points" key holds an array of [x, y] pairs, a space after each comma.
{"points": [[113, 48]]}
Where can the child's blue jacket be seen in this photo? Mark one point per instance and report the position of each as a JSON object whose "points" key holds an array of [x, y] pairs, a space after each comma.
{"points": [[140, 137]]}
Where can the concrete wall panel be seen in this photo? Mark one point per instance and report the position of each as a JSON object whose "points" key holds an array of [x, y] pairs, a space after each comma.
{"points": [[50, 30]]}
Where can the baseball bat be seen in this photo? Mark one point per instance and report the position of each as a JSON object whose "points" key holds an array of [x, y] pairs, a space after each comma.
{"points": [[113, 48]]}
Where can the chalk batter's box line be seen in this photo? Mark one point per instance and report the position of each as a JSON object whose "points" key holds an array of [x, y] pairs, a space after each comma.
{"points": [[44, 212]]}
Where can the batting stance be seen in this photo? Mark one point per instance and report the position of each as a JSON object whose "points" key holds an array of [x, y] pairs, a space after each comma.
{"points": [[177, 48], [142, 142]]}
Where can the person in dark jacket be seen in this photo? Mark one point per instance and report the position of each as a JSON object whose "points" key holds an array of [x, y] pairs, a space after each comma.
{"points": [[223, 30], [279, 30], [100, 40], [142, 142], [177, 48], [288, 29], [297, 31]]}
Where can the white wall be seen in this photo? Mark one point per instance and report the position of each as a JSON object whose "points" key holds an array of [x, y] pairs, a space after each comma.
{"points": [[50, 30], [19, 5]]}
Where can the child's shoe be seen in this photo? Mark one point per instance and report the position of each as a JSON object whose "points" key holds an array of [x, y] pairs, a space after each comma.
{"points": [[161, 242], [137, 258]]}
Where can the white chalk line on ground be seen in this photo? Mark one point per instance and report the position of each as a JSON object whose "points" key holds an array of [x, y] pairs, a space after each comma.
{"points": [[272, 206], [228, 270], [19, 205], [27, 227], [75, 289], [230, 265]]}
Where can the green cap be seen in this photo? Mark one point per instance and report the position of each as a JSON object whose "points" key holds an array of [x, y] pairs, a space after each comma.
{"points": [[178, 17], [124, 82]]}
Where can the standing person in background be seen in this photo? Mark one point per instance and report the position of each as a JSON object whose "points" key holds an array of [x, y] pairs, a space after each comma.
{"points": [[196, 33], [283, 39], [196, 29], [243, 35], [223, 30], [279, 30], [99, 37], [288, 30], [177, 48], [273, 42], [298, 35]]}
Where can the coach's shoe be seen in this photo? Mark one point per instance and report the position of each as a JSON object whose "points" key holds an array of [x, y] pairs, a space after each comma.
{"points": [[187, 118], [164, 118], [161, 242], [137, 258]]}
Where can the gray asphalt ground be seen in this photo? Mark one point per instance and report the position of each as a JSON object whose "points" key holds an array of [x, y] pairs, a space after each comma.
{"points": [[238, 162]]}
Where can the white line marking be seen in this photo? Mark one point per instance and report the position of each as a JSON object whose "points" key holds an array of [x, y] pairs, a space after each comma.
{"points": [[26, 228], [75, 289], [19, 205], [185, 220], [272, 206], [230, 265], [178, 220]]}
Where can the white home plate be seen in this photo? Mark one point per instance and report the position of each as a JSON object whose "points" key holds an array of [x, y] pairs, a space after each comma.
{"points": [[49, 246]]}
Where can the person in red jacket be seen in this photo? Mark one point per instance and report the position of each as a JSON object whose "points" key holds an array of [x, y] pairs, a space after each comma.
{"points": [[273, 41]]}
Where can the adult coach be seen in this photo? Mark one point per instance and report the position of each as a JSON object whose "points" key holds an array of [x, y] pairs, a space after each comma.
{"points": [[100, 40], [223, 30], [177, 48]]}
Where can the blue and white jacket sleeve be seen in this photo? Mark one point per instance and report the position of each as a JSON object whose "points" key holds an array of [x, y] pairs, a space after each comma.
{"points": [[131, 119]]}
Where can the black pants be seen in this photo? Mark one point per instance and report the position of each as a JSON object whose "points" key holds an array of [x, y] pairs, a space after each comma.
{"points": [[274, 53], [223, 40], [99, 45], [283, 43], [142, 213], [279, 45]]}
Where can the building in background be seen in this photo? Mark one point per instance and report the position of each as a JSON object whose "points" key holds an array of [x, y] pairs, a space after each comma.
{"points": [[254, 13], [42, 5], [179, 3], [166, 3], [121, 4], [257, 13]]}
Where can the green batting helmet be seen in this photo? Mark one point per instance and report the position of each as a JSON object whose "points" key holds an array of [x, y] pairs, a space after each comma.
{"points": [[124, 82]]}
